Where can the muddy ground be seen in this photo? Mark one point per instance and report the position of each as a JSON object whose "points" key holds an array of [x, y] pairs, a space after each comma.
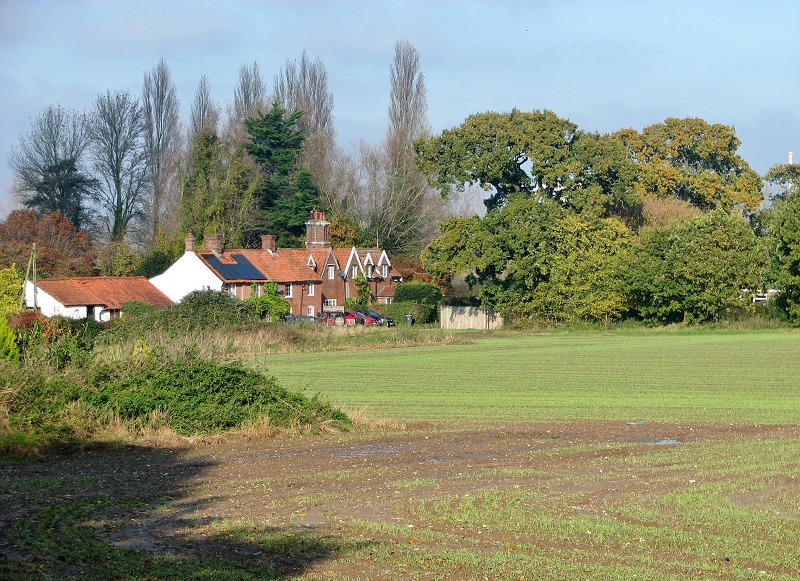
{"points": [[173, 501]]}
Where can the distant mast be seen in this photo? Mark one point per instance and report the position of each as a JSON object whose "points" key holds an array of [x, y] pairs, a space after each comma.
{"points": [[791, 158]]}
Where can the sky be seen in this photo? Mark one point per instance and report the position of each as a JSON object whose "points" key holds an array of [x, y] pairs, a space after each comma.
{"points": [[603, 64]]}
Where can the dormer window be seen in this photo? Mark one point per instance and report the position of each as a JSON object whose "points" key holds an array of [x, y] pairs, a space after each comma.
{"points": [[331, 272], [384, 270], [354, 271]]}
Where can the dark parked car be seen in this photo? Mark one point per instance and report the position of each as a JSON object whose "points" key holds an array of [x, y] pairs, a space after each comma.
{"points": [[301, 320], [368, 319], [382, 319]]}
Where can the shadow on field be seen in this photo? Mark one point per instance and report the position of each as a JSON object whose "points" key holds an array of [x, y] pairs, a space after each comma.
{"points": [[139, 512]]}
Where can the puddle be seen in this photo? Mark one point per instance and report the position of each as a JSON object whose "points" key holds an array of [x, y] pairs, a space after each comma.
{"points": [[371, 450], [659, 442]]}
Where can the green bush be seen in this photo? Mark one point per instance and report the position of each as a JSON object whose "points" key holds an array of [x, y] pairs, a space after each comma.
{"points": [[422, 313], [418, 292], [202, 397], [8, 342], [269, 303], [198, 310], [196, 396]]}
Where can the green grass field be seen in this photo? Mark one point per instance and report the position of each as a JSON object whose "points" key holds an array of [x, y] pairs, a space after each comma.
{"points": [[731, 376]]}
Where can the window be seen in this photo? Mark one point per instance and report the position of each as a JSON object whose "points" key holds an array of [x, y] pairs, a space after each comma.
{"points": [[232, 290], [310, 310], [287, 290], [370, 271], [330, 302], [331, 272], [384, 270], [354, 272], [311, 289]]}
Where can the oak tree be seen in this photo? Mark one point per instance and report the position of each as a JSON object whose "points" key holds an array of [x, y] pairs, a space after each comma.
{"points": [[695, 161]]}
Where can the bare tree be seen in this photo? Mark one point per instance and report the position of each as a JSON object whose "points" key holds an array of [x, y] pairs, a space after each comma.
{"points": [[48, 165], [204, 114], [162, 138], [120, 156], [250, 94], [408, 107], [396, 205], [303, 85]]}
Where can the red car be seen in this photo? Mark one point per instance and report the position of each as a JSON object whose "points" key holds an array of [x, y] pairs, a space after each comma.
{"points": [[346, 318], [368, 319]]}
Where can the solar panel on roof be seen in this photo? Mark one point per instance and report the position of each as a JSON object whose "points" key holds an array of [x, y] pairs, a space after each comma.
{"points": [[242, 270]]}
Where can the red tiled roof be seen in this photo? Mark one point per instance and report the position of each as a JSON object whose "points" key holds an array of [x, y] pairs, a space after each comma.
{"points": [[285, 265], [108, 291]]}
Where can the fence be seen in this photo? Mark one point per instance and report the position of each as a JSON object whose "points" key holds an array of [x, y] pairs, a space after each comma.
{"points": [[470, 318]]}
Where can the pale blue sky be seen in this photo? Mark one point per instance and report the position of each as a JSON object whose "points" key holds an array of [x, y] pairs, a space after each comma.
{"points": [[603, 64]]}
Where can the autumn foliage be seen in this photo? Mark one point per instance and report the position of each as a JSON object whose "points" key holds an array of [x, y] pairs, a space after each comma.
{"points": [[61, 249]]}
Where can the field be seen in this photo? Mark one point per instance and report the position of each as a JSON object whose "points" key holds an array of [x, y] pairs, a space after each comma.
{"points": [[648, 455], [656, 375]]}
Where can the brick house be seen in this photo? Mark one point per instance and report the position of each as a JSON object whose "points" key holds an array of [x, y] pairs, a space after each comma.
{"points": [[311, 279], [97, 297]]}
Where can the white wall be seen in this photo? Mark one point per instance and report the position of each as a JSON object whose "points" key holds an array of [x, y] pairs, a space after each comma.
{"points": [[49, 306], [188, 274]]}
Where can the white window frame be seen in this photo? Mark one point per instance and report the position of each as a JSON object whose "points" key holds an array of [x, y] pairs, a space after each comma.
{"points": [[287, 290], [311, 289], [384, 271], [330, 303], [331, 272], [310, 310], [354, 272]]}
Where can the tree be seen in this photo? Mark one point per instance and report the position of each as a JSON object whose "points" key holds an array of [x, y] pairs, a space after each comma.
{"points": [[418, 292], [494, 150], [250, 95], [693, 270], [394, 203], [287, 193], [48, 165], [220, 190], [786, 177], [783, 224], [61, 249], [162, 141], [204, 113], [120, 159], [692, 160], [303, 86], [536, 154], [534, 260]]}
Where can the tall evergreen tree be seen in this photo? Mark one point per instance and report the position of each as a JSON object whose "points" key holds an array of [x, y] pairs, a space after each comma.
{"points": [[288, 193]]}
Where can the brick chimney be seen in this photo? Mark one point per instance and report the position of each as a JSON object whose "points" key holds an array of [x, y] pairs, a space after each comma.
{"points": [[214, 243], [268, 242], [317, 231], [188, 244]]}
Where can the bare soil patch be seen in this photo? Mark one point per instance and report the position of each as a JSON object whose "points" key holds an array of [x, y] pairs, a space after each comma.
{"points": [[183, 501]]}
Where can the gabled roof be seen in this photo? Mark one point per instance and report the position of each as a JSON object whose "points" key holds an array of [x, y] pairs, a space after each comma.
{"points": [[107, 291]]}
